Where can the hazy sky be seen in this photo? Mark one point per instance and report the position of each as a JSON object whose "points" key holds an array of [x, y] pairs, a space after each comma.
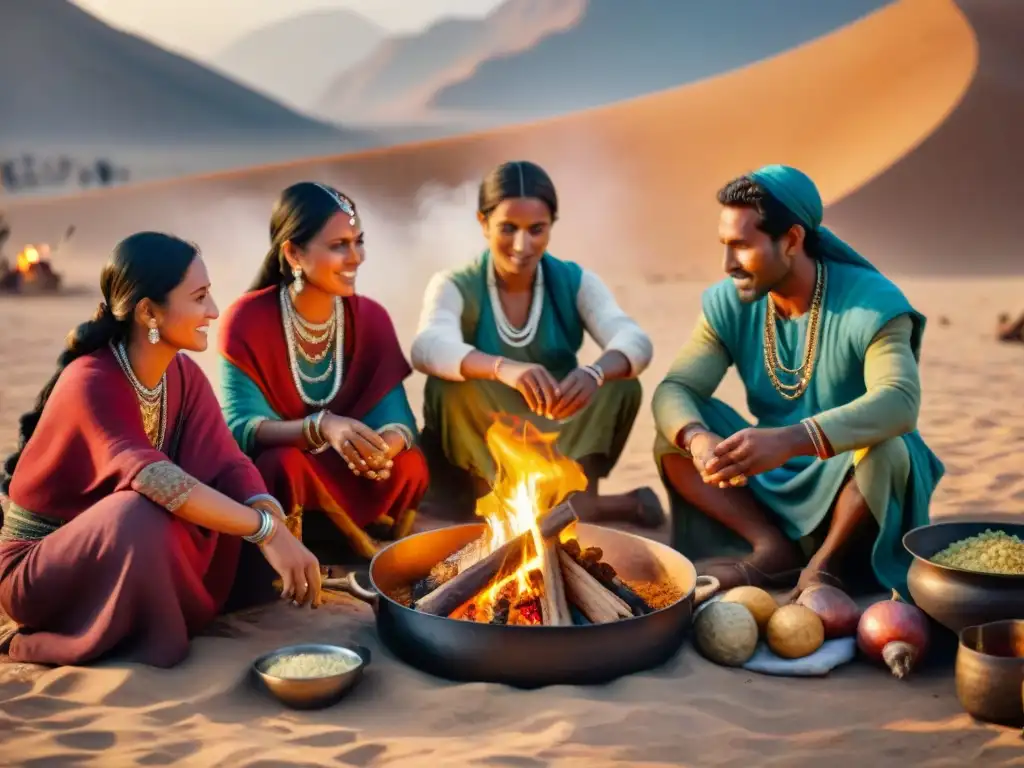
{"points": [[201, 28]]}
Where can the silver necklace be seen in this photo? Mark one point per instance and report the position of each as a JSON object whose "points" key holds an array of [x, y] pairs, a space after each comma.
{"points": [[335, 366], [148, 398], [517, 337]]}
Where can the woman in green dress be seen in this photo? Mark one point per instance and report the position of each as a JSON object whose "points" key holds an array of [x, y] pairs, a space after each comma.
{"points": [[500, 337]]}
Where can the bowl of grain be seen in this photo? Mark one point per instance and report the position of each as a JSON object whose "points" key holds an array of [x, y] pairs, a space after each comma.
{"points": [[967, 573], [311, 676]]}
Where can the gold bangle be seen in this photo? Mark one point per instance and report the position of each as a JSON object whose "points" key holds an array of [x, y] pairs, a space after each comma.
{"points": [[497, 365], [816, 438]]}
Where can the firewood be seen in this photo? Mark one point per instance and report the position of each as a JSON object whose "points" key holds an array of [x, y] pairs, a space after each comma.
{"points": [[554, 605], [589, 595], [467, 583], [448, 568], [590, 558]]}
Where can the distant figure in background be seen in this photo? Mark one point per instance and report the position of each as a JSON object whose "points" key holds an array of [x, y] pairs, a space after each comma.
{"points": [[313, 379], [128, 499], [834, 458], [1010, 330], [501, 336]]}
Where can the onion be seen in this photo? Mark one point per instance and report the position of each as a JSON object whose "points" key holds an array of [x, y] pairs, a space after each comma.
{"points": [[834, 607], [895, 633]]}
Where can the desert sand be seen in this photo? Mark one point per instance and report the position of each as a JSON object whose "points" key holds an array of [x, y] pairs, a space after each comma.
{"points": [[638, 182]]}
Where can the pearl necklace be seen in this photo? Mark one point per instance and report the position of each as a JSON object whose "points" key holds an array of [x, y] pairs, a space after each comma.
{"points": [[152, 402], [517, 337], [336, 364]]}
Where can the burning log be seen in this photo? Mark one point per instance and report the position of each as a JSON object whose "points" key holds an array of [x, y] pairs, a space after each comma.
{"points": [[594, 600], [469, 582], [590, 559], [450, 567]]}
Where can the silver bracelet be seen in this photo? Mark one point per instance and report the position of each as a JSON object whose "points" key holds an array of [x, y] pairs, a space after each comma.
{"points": [[265, 529], [404, 431], [268, 498], [596, 372]]}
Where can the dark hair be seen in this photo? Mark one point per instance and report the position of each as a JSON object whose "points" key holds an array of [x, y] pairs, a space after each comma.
{"points": [[299, 214], [774, 218], [519, 178], [147, 265]]}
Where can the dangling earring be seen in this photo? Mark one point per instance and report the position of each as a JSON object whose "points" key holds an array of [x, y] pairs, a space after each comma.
{"points": [[297, 281], [154, 334]]}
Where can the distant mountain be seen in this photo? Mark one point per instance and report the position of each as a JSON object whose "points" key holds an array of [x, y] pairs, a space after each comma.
{"points": [[296, 59], [619, 49], [401, 76], [67, 74]]}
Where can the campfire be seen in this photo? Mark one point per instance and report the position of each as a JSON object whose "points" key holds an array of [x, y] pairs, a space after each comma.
{"points": [[528, 569], [32, 272]]}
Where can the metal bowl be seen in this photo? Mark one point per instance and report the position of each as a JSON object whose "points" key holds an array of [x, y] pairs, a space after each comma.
{"points": [[952, 596], [990, 672], [312, 692]]}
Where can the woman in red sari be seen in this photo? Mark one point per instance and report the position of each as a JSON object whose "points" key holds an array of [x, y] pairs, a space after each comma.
{"points": [[128, 500], [313, 376]]}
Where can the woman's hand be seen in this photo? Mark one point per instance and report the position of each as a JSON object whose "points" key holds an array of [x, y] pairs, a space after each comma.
{"points": [[296, 565], [537, 386], [362, 448], [750, 452], [577, 390]]}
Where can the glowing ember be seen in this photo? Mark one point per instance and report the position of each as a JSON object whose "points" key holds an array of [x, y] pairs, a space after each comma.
{"points": [[532, 477]]}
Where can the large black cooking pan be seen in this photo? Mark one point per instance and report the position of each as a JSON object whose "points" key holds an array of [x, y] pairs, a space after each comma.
{"points": [[525, 656]]}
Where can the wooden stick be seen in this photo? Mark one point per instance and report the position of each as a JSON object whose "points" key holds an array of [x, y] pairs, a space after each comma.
{"points": [[553, 605], [590, 559], [589, 595], [450, 567], [467, 583]]}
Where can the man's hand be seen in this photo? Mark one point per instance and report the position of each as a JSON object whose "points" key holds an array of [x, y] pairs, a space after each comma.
{"points": [[702, 448], [750, 452]]}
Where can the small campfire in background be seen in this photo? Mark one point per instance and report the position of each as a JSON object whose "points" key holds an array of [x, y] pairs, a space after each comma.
{"points": [[32, 271], [528, 568]]}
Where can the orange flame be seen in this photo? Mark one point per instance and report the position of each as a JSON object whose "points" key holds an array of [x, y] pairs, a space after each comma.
{"points": [[532, 477], [29, 255]]}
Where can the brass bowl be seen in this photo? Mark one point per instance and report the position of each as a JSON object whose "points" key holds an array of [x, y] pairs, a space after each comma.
{"points": [[954, 597], [990, 672], [312, 692]]}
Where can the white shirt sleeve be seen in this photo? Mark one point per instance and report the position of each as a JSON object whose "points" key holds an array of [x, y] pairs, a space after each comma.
{"points": [[439, 349], [610, 326]]}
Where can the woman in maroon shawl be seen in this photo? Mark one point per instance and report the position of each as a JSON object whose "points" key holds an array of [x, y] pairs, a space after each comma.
{"points": [[313, 376], [128, 501]]}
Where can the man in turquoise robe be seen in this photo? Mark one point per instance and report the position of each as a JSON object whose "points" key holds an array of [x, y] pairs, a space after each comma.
{"points": [[833, 472]]}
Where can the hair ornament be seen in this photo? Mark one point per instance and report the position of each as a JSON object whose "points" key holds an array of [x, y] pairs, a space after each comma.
{"points": [[343, 202]]}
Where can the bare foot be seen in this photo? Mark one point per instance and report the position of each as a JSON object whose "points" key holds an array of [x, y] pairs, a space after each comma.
{"points": [[649, 512], [773, 564]]}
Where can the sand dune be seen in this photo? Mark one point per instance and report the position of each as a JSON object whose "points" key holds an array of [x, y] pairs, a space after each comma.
{"points": [[293, 60], [401, 76], [682, 42], [951, 203], [637, 179]]}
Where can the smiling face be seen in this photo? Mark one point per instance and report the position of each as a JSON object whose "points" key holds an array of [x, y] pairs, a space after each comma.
{"points": [[332, 257], [517, 232], [184, 318], [754, 261]]}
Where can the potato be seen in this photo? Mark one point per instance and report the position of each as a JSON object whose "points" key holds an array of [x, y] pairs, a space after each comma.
{"points": [[726, 633], [794, 632], [761, 604]]}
